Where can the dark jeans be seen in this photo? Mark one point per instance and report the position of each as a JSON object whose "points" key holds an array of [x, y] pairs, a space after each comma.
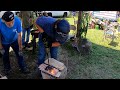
{"points": [[24, 36], [42, 52], [6, 60]]}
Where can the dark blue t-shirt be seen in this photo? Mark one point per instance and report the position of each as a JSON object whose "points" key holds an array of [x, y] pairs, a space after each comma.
{"points": [[46, 23], [10, 35]]}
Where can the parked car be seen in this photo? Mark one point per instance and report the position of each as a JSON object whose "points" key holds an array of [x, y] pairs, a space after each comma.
{"points": [[109, 15], [58, 13]]}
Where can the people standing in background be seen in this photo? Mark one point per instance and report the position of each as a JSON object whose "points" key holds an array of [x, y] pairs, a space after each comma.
{"points": [[27, 24]]}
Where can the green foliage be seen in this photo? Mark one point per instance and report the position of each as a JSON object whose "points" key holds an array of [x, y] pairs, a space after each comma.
{"points": [[85, 18]]}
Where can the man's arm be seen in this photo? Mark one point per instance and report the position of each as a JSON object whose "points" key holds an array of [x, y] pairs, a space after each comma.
{"points": [[20, 41], [19, 31], [56, 44]]}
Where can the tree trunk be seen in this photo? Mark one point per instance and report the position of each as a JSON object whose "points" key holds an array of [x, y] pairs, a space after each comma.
{"points": [[80, 42], [79, 23], [77, 40]]}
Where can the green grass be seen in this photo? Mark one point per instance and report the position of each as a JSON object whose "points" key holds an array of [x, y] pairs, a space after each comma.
{"points": [[102, 63]]}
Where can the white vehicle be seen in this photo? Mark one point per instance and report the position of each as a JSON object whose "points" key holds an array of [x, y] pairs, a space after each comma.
{"points": [[58, 13], [2, 12], [110, 15]]}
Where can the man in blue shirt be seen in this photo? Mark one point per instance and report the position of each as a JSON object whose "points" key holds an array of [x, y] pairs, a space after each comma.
{"points": [[55, 32], [10, 32]]}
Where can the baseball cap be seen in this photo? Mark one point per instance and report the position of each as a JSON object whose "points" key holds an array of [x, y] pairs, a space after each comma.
{"points": [[63, 28], [8, 16]]}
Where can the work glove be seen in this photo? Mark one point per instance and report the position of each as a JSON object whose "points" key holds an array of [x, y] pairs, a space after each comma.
{"points": [[20, 53], [2, 51]]}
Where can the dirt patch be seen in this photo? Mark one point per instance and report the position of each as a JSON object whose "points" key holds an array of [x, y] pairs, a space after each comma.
{"points": [[30, 60]]}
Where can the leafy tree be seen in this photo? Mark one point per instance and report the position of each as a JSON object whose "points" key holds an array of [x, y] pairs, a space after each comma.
{"points": [[82, 27]]}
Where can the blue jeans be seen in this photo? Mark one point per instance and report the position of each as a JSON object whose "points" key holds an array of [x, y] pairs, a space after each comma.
{"points": [[6, 61], [24, 34], [42, 52]]}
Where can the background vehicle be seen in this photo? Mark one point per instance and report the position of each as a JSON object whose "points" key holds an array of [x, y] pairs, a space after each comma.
{"points": [[58, 13], [109, 15]]}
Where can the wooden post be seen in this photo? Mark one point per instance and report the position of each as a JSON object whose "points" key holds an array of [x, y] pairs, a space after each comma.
{"points": [[78, 36]]}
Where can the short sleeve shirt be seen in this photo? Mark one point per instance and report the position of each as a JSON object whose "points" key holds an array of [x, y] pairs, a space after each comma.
{"points": [[10, 35]]}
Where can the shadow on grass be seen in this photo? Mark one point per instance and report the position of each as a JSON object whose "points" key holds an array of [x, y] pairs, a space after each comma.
{"points": [[102, 63], [112, 43]]}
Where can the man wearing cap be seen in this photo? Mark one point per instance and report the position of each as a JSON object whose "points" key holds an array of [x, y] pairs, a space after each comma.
{"points": [[55, 32], [10, 32]]}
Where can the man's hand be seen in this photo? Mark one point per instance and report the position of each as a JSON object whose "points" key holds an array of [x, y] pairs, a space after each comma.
{"points": [[2, 51], [56, 44]]}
